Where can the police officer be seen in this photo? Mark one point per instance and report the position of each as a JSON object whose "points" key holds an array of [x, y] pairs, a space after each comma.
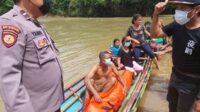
{"points": [[185, 31], [30, 71]]}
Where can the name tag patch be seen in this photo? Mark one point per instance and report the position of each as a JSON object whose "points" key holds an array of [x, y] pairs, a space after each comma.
{"points": [[37, 33]]}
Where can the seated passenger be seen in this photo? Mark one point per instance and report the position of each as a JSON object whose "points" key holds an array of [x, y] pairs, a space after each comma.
{"points": [[125, 57], [137, 31], [115, 48], [99, 79], [147, 26]]}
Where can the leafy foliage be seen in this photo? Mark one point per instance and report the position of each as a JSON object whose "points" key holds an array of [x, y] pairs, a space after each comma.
{"points": [[97, 8]]}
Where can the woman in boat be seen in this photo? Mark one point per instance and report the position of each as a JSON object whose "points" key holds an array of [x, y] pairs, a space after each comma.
{"points": [[137, 31], [125, 57]]}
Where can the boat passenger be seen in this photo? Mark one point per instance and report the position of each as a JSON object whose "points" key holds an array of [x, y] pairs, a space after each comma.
{"points": [[99, 78], [115, 48], [147, 26], [137, 31], [125, 58]]}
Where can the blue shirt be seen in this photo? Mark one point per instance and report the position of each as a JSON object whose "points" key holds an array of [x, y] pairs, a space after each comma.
{"points": [[115, 50]]}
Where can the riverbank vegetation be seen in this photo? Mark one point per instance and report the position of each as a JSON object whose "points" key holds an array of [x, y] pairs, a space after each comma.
{"points": [[97, 8]]}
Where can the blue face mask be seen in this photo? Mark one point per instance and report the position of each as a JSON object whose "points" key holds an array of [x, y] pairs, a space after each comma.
{"points": [[108, 61], [127, 44], [181, 17]]}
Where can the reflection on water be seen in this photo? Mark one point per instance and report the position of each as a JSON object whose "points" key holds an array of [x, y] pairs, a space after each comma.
{"points": [[81, 39]]}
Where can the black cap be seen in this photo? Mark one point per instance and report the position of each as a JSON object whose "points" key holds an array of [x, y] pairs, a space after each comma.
{"points": [[189, 2]]}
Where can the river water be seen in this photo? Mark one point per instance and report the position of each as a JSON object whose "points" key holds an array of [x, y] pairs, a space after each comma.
{"points": [[81, 39], [154, 99]]}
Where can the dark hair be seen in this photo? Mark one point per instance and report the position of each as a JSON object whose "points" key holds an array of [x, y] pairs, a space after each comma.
{"points": [[147, 23], [123, 40], [115, 40], [135, 17], [102, 54]]}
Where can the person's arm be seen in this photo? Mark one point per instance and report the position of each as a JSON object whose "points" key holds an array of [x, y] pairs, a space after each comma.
{"points": [[196, 107], [133, 40], [12, 47], [163, 47], [168, 49], [119, 77], [119, 60], [89, 84], [156, 30]]}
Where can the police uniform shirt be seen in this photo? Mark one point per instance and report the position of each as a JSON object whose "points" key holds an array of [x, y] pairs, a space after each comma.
{"points": [[186, 48], [30, 72]]}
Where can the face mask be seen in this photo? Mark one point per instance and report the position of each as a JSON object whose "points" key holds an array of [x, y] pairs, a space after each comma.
{"points": [[127, 44], [45, 7], [181, 17], [108, 61]]}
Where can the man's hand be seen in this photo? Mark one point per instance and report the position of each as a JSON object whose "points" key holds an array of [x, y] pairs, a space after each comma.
{"points": [[196, 106], [120, 67], [97, 98], [160, 7], [163, 47]]}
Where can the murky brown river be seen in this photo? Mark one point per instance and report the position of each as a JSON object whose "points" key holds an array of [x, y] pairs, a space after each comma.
{"points": [[81, 39], [154, 99]]}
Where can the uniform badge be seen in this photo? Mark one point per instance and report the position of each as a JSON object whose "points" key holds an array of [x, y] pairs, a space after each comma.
{"points": [[42, 43], [9, 35]]}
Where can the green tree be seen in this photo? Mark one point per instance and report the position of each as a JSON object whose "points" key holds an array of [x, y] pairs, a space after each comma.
{"points": [[5, 5], [97, 8]]}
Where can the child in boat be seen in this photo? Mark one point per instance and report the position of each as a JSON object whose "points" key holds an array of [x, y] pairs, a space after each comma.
{"points": [[115, 48], [126, 56], [99, 78]]}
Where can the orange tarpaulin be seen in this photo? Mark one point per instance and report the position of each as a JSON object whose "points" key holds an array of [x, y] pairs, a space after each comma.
{"points": [[111, 100]]}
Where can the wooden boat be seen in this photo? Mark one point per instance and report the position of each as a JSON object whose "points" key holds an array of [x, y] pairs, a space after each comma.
{"points": [[75, 93]]}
